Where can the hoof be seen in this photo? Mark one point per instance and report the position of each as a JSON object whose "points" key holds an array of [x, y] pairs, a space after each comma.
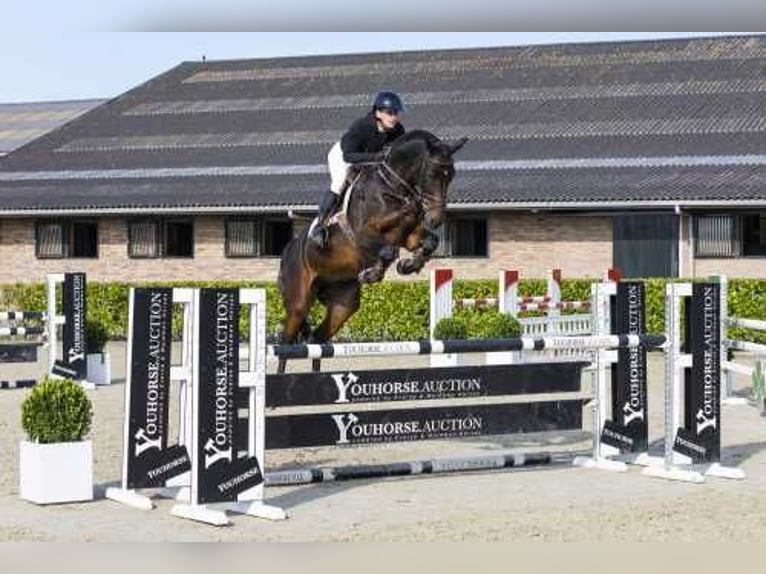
{"points": [[407, 267], [370, 275]]}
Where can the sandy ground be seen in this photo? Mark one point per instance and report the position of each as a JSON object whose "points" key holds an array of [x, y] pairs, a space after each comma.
{"points": [[554, 503]]}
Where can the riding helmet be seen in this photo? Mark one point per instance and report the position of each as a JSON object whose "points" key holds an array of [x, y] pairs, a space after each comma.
{"points": [[387, 100]]}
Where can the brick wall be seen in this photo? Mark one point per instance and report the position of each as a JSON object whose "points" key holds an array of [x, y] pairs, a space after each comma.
{"points": [[17, 251], [532, 243]]}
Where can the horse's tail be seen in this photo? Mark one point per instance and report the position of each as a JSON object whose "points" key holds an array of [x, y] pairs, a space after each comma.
{"points": [[292, 269], [287, 261], [293, 257]]}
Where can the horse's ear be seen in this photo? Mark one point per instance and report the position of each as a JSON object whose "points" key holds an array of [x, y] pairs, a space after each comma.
{"points": [[456, 146]]}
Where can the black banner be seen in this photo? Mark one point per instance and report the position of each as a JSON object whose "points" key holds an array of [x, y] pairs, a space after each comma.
{"points": [[150, 461], [701, 437], [628, 429], [61, 369], [74, 307], [221, 476], [349, 387], [397, 425]]}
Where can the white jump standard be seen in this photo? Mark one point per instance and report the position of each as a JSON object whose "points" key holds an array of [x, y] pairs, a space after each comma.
{"points": [[73, 363], [693, 433]]}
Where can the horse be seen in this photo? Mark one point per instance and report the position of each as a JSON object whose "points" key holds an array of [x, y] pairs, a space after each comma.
{"points": [[398, 202]]}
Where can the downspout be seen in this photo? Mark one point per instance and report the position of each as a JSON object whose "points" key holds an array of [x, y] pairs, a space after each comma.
{"points": [[690, 247], [680, 256]]}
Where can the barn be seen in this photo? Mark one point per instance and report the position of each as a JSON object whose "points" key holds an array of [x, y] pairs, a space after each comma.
{"points": [[649, 156]]}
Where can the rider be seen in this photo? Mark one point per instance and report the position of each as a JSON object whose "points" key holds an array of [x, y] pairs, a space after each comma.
{"points": [[362, 143]]}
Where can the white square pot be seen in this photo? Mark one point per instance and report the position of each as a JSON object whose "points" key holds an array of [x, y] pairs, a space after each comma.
{"points": [[99, 368], [56, 472]]}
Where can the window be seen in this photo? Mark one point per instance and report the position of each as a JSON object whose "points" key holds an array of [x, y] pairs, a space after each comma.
{"points": [[60, 239], [754, 234], [463, 236], [143, 239], [730, 235], [257, 237], [179, 239], [151, 238]]}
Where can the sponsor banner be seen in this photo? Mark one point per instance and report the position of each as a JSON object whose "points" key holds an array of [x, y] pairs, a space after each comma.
{"points": [[689, 444], [221, 475], [367, 427], [150, 461], [703, 381], [418, 384], [61, 369], [629, 393], [616, 435], [162, 465], [73, 338]]}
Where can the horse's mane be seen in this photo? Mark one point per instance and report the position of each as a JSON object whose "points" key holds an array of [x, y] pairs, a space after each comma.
{"points": [[416, 135]]}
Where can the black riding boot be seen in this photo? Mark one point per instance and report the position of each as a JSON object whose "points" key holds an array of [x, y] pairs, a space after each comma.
{"points": [[327, 206]]}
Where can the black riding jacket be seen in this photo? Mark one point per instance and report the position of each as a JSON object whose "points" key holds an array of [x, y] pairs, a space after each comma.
{"points": [[364, 140]]}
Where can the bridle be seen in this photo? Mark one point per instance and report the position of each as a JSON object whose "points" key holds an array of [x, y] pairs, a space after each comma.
{"points": [[395, 182]]}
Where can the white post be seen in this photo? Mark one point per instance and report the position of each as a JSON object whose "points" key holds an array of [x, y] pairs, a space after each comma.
{"points": [[507, 304], [727, 375], [554, 292], [600, 295], [53, 320], [508, 291], [183, 374], [441, 308], [675, 363]]}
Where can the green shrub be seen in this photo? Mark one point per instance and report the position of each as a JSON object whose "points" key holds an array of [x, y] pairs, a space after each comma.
{"points": [[56, 410], [96, 336], [451, 328], [390, 311], [492, 325]]}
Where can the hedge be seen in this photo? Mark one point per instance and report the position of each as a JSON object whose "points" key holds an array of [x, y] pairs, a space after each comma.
{"points": [[390, 311]]}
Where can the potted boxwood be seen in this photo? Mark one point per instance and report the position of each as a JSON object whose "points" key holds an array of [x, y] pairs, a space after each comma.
{"points": [[56, 463], [98, 359]]}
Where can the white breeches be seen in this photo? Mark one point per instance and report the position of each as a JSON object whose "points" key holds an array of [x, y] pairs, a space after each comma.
{"points": [[338, 168]]}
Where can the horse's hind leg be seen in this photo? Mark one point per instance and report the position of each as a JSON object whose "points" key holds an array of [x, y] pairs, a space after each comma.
{"points": [[341, 304]]}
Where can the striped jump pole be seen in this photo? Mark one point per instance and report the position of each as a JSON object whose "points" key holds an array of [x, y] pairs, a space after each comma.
{"points": [[18, 384], [482, 462], [560, 306], [436, 347], [21, 331], [22, 315]]}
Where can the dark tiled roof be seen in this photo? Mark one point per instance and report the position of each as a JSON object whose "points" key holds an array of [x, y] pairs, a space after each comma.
{"points": [[21, 123], [577, 124]]}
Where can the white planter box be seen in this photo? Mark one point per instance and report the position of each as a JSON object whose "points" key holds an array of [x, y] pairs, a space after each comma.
{"points": [[99, 368], [56, 472]]}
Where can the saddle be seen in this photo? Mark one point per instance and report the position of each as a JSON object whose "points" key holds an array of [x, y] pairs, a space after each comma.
{"points": [[339, 217]]}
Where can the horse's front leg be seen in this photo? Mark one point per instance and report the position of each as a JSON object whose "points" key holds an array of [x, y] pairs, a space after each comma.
{"points": [[387, 229], [422, 242], [375, 273]]}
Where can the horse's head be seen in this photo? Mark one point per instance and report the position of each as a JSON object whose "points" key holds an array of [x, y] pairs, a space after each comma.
{"points": [[426, 163]]}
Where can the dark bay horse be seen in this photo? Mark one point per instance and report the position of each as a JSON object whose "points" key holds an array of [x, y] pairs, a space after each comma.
{"points": [[397, 203]]}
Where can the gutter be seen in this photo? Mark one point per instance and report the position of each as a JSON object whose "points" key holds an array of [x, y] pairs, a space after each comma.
{"points": [[456, 206]]}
